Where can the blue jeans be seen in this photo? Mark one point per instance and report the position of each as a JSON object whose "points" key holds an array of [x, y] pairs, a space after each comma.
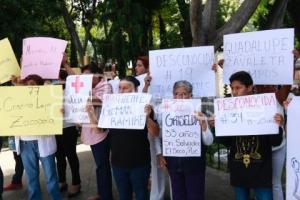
{"points": [[132, 180], [30, 157], [103, 171], [242, 193]]}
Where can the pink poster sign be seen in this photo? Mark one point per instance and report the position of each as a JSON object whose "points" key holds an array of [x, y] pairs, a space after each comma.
{"points": [[42, 56]]}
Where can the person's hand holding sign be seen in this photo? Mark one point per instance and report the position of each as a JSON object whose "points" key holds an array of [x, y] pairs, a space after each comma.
{"points": [[202, 120]]}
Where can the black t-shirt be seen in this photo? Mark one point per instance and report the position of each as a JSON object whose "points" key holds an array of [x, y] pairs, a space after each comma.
{"points": [[129, 148], [250, 160]]}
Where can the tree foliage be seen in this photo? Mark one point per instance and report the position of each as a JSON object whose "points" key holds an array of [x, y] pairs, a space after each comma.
{"points": [[121, 30]]}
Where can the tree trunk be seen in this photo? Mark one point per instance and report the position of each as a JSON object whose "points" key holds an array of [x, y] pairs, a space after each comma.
{"points": [[293, 8], [236, 22], [196, 22], [73, 55], [277, 13], [184, 26], [162, 33], [209, 19], [72, 31]]}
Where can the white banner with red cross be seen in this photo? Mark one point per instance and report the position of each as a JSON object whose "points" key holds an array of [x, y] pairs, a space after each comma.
{"points": [[78, 91]]}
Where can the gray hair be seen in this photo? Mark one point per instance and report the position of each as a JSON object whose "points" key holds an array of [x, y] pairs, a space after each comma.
{"points": [[187, 85]]}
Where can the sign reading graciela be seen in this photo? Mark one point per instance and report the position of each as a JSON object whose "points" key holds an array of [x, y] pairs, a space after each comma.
{"points": [[31, 110], [192, 64], [246, 115], [267, 55], [124, 111], [181, 135]]}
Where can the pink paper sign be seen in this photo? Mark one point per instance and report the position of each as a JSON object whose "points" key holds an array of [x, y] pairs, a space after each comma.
{"points": [[45, 65], [43, 45], [42, 56]]}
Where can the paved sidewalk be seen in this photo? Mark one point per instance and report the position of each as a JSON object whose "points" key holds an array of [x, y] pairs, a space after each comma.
{"points": [[217, 183]]}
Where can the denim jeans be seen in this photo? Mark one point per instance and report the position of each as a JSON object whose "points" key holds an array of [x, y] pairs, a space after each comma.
{"points": [[242, 193], [30, 157], [132, 180], [103, 171]]}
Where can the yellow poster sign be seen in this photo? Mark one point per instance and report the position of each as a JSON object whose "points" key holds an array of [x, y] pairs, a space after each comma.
{"points": [[8, 62], [31, 110]]}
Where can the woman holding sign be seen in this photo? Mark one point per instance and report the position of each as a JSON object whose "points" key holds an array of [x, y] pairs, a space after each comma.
{"points": [[188, 173], [158, 175], [98, 139], [38, 148], [130, 151]]}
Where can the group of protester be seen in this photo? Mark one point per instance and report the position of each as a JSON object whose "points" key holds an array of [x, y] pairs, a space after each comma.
{"points": [[134, 157]]}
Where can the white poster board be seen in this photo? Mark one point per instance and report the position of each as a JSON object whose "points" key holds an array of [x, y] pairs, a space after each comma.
{"points": [[293, 153], [141, 79], [115, 86], [124, 111], [191, 64], [78, 91], [246, 115], [181, 135], [267, 55]]}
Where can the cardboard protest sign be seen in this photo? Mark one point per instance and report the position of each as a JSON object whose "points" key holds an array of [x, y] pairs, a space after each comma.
{"points": [[124, 111], [31, 110], [8, 62], [181, 135], [293, 153], [141, 79], [267, 55], [78, 91], [192, 64], [246, 115], [42, 56], [115, 85]]}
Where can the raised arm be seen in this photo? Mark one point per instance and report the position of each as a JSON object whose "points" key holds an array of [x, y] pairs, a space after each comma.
{"points": [[152, 126]]}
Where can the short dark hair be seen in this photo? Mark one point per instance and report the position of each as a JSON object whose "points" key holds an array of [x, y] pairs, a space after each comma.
{"points": [[63, 74], [243, 77], [93, 68], [36, 78], [133, 80]]}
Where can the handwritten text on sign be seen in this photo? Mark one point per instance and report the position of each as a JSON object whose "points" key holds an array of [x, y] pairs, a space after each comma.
{"points": [[77, 92], [8, 62], [31, 110], [42, 56], [124, 111], [191, 64], [246, 115], [293, 154], [181, 130], [267, 55]]}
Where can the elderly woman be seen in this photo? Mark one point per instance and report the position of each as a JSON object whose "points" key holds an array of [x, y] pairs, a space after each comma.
{"points": [[188, 173]]}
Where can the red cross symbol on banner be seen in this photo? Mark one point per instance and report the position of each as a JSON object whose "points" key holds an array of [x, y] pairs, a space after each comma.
{"points": [[77, 84]]}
